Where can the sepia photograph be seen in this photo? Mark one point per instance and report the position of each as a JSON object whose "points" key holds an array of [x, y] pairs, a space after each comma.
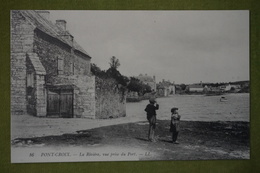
{"points": [[97, 85]]}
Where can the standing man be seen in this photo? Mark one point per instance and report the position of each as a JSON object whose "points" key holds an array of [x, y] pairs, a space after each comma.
{"points": [[151, 117]]}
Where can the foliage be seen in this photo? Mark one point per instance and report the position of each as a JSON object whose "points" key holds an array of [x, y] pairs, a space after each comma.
{"points": [[132, 84], [110, 73], [114, 62], [183, 86], [114, 73], [136, 85], [97, 71]]}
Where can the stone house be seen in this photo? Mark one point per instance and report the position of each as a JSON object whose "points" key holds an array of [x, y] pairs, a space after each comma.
{"points": [[50, 72], [148, 80], [165, 88], [162, 90], [229, 87]]}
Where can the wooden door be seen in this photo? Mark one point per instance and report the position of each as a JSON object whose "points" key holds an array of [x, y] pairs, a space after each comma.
{"points": [[60, 103], [53, 103], [66, 104]]}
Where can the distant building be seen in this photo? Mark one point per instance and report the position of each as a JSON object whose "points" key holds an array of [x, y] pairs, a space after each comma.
{"points": [[195, 88], [148, 80], [165, 88], [230, 87]]}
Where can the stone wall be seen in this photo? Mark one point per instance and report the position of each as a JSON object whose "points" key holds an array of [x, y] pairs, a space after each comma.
{"points": [[21, 43], [83, 94], [76, 72], [49, 49], [37, 53], [31, 90], [110, 99], [81, 64], [35, 88]]}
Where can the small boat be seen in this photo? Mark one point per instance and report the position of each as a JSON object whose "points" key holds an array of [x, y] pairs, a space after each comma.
{"points": [[223, 99]]}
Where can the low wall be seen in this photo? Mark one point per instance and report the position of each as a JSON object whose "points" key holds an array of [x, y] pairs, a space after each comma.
{"points": [[110, 99]]}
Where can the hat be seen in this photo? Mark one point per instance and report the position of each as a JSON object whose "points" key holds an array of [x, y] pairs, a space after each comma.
{"points": [[152, 100], [173, 109]]}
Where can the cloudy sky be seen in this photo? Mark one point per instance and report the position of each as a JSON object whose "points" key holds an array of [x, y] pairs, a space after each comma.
{"points": [[181, 46]]}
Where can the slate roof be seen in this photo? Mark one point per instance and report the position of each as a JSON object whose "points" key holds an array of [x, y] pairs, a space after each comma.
{"points": [[37, 65], [49, 28]]}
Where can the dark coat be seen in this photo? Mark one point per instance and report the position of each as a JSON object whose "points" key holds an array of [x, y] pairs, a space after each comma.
{"points": [[151, 110]]}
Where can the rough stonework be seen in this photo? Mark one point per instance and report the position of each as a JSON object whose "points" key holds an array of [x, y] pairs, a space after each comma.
{"points": [[50, 72], [110, 99], [45, 61], [83, 93], [35, 91], [21, 43]]}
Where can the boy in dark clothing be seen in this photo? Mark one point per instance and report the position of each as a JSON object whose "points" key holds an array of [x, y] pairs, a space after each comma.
{"points": [[175, 124], [151, 117]]}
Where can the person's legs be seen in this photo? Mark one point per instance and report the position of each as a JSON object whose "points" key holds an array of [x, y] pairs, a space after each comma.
{"points": [[152, 125], [174, 136], [150, 131]]}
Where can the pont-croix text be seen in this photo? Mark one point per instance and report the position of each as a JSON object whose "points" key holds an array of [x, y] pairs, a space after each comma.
{"points": [[88, 154]]}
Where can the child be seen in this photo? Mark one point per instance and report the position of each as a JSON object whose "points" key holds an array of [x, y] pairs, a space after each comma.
{"points": [[175, 124], [151, 117]]}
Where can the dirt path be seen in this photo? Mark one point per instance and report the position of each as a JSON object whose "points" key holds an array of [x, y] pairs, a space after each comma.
{"points": [[198, 140]]}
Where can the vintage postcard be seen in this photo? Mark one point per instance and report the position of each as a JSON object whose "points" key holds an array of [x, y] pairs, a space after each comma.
{"points": [[129, 85]]}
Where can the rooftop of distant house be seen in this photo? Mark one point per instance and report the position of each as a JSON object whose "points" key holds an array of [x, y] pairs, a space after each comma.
{"points": [[146, 78]]}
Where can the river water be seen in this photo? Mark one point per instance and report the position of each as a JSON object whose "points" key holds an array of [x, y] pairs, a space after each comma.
{"points": [[197, 108]]}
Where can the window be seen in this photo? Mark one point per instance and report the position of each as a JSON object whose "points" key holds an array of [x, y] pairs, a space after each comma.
{"points": [[30, 79], [60, 65]]}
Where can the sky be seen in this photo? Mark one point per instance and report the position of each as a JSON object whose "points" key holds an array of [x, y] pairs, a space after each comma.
{"points": [[180, 46]]}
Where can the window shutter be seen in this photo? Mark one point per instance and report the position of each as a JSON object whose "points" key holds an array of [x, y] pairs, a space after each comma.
{"points": [[60, 65]]}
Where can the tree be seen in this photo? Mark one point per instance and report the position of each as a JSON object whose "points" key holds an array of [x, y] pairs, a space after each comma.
{"points": [[134, 85], [147, 89], [183, 87], [137, 86], [97, 71], [112, 72], [114, 62]]}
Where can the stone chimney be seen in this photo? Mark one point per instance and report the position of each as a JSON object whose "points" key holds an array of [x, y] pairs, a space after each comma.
{"points": [[66, 35], [61, 24], [45, 14]]}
